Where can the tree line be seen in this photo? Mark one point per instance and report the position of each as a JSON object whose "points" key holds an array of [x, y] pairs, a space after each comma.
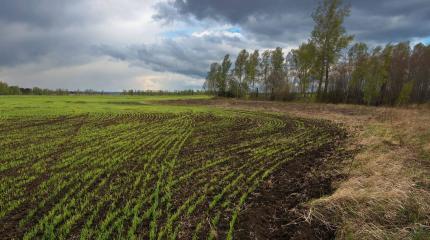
{"points": [[327, 68], [5, 89], [132, 92]]}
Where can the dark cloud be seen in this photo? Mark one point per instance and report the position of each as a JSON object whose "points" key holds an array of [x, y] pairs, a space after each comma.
{"points": [[21, 44], [389, 21], [44, 13], [61, 30], [32, 30], [237, 11], [288, 20], [189, 56]]}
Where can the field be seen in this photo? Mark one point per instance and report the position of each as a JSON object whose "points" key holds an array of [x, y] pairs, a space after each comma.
{"points": [[105, 167], [190, 167]]}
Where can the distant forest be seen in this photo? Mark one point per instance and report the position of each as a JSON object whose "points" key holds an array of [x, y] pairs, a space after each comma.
{"points": [[327, 68], [5, 89]]}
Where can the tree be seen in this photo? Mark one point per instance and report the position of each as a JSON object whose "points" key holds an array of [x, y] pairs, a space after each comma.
{"points": [[222, 78], [358, 58], [405, 93], [329, 36], [212, 79], [265, 67], [398, 73], [216, 80], [233, 85], [341, 75], [4, 88], [252, 69], [376, 77], [14, 90], [277, 78], [304, 60], [420, 73], [240, 71]]}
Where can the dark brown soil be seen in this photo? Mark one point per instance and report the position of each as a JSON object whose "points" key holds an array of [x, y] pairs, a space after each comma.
{"points": [[276, 209]]}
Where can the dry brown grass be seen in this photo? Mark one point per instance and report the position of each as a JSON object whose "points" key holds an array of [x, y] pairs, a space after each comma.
{"points": [[387, 195], [387, 192]]}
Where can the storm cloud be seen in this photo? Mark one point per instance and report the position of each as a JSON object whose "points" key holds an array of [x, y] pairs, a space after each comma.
{"points": [[379, 21], [187, 55], [165, 44]]}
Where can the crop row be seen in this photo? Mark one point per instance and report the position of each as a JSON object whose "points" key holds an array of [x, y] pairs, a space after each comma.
{"points": [[142, 175]]}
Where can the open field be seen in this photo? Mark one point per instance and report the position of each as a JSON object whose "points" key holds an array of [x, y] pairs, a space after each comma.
{"points": [[125, 167], [116, 167], [67, 105]]}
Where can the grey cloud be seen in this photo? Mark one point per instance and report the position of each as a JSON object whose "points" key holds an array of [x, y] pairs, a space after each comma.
{"points": [[60, 30], [44, 13], [268, 30], [390, 21], [34, 30], [188, 56], [20, 45], [166, 13], [288, 20], [238, 11]]}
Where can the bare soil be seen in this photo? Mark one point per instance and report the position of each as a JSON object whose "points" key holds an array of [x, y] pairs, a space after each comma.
{"points": [[275, 210]]}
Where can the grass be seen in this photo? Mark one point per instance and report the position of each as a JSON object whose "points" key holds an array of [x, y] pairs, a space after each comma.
{"points": [[70, 105], [115, 167]]}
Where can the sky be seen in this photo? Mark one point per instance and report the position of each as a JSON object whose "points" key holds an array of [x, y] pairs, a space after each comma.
{"points": [[113, 45]]}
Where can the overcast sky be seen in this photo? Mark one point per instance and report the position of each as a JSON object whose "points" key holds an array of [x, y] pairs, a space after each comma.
{"points": [[157, 44]]}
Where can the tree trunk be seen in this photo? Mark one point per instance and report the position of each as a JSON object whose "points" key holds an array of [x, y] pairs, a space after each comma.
{"points": [[320, 82], [238, 86], [326, 80]]}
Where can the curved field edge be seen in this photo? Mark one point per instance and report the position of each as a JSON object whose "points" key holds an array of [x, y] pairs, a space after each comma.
{"points": [[145, 175], [386, 191]]}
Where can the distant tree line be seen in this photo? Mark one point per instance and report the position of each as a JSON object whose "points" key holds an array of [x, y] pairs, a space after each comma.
{"points": [[327, 69], [132, 92], [5, 89]]}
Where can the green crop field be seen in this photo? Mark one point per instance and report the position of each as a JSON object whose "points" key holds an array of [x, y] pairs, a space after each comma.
{"points": [[116, 167]]}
